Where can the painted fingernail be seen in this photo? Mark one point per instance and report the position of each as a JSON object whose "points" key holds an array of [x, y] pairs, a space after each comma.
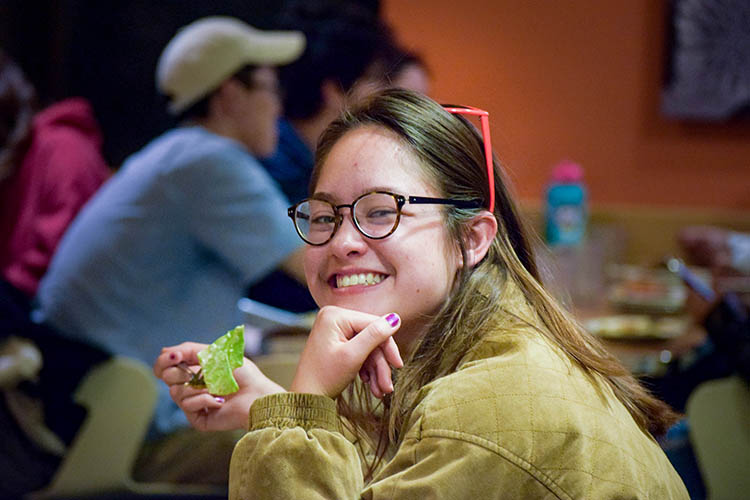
{"points": [[219, 399], [392, 319], [173, 356]]}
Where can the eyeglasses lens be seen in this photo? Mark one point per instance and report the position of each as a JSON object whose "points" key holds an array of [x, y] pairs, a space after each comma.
{"points": [[376, 215], [315, 220]]}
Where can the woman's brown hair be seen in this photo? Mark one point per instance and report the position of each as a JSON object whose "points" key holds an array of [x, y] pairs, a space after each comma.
{"points": [[451, 152]]}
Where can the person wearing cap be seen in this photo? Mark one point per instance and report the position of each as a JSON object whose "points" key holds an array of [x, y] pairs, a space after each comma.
{"points": [[167, 246]]}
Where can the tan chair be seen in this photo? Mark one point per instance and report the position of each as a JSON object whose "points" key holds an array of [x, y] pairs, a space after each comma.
{"points": [[718, 412], [279, 367], [120, 396]]}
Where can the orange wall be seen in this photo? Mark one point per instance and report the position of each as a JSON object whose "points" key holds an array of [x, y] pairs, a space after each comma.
{"points": [[577, 79]]}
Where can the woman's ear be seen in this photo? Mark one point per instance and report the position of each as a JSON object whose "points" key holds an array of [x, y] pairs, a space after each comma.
{"points": [[478, 237]]}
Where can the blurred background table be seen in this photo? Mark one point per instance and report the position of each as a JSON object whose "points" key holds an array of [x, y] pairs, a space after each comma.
{"points": [[644, 354]]}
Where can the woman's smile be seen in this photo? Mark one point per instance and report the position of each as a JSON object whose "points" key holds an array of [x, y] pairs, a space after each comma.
{"points": [[355, 279]]}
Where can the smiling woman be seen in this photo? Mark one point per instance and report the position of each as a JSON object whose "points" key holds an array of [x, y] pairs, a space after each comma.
{"points": [[355, 167], [495, 387]]}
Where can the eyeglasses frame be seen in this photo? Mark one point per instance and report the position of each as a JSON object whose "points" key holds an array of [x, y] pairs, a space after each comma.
{"points": [[400, 200], [484, 120]]}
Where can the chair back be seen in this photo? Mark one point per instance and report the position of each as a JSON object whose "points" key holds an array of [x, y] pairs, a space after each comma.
{"points": [[119, 396], [718, 413]]}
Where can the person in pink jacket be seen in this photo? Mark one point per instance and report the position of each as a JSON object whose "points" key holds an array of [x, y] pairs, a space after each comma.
{"points": [[51, 165]]}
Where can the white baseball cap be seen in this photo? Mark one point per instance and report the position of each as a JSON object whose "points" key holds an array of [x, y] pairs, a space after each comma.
{"points": [[206, 52]]}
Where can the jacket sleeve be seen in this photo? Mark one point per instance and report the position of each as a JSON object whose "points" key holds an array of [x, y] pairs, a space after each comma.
{"points": [[295, 449]]}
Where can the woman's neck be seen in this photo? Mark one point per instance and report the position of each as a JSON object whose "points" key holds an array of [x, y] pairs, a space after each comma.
{"points": [[407, 338]]}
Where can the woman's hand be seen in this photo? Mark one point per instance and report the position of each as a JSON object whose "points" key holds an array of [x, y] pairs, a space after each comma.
{"points": [[376, 371], [204, 411], [340, 342]]}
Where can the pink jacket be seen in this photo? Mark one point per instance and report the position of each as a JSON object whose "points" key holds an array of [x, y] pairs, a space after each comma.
{"points": [[61, 170]]}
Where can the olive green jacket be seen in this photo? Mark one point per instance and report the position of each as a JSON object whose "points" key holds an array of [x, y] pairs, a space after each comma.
{"points": [[517, 420]]}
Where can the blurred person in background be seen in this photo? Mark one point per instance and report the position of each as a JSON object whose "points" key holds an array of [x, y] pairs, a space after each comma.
{"points": [[726, 350], [170, 243], [717, 248], [407, 70], [50, 165], [349, 54], [725, 317], [727, 254], [346, 57]]}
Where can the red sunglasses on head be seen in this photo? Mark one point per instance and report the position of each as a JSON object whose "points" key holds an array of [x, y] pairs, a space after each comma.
{"points": [[484, 119]]}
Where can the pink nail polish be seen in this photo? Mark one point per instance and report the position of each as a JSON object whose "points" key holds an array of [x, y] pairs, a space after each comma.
{"points": [[219, 399], [392, 319], [173, 356]]}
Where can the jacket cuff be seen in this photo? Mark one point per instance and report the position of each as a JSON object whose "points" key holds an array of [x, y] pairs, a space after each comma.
{"points": [[290, 409]]}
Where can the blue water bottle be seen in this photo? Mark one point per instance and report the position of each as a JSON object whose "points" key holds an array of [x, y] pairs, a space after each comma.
{"points": [[566, 213]]}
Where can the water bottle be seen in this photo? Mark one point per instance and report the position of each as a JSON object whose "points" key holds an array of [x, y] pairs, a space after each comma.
{"points": [[566, 213]]}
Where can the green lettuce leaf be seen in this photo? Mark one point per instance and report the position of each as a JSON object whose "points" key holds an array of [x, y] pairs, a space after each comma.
{"points": [[220, 359]]}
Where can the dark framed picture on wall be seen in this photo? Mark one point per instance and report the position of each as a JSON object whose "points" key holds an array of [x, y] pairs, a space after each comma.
{"points": [[708, 60]]}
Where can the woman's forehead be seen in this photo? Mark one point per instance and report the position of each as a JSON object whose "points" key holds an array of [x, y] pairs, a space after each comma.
{"points": [[371, 157]]}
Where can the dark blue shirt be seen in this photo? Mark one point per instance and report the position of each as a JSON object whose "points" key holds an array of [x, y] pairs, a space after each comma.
{"points": [[292, 163], [291, 167]]}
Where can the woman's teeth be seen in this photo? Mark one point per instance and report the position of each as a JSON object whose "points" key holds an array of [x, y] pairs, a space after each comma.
{"points": [[358, 279]]}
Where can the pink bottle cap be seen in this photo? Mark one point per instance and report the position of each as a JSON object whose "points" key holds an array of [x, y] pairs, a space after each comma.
{"points": [[567, 171]]}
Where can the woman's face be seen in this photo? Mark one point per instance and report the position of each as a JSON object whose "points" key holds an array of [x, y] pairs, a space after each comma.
{"points": [[416, 264]]}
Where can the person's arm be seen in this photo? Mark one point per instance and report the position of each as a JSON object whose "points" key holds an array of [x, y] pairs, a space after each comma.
{"points": [[293, 266], [295, 449], [204, 411], [339, 344], [728, 326], [238, 213]]}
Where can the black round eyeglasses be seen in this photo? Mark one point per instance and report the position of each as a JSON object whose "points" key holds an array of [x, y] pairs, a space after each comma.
{"points": [[376, 215]]}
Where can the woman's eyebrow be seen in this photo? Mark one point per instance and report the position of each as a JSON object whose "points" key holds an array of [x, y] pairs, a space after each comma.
{"points": [[389, 189], [322, 195]]}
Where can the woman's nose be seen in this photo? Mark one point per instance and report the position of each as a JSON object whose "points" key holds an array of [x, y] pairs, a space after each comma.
{"points": [[348, 239]]}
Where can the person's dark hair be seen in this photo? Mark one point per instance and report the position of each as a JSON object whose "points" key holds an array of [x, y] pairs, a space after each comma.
{"points": [[344, 40], [200, 108], [451, 153], [17, 108], [394, 59]]}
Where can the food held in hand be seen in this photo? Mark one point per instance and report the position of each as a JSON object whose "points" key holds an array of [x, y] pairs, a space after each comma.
{"points": [[219, 360]]}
